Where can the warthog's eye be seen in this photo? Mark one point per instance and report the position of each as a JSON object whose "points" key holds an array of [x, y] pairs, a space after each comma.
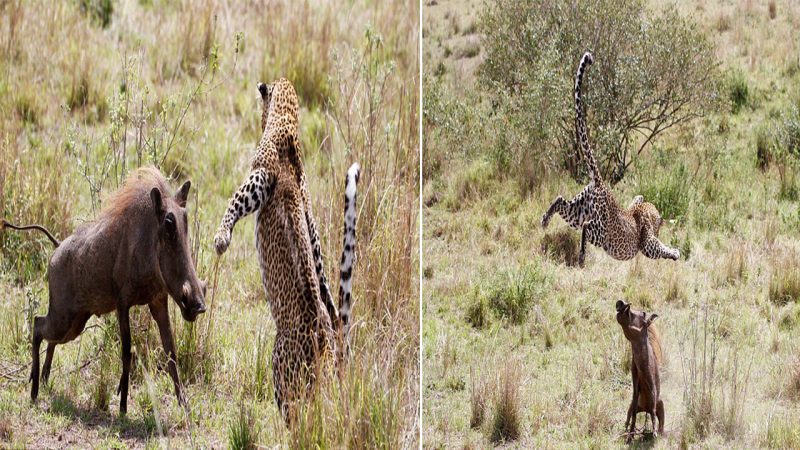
{"points": [[169, 225]]}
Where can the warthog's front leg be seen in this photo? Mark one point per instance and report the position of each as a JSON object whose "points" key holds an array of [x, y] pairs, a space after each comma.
{"points": [[160, 312], [123, 314], [246, 200]]}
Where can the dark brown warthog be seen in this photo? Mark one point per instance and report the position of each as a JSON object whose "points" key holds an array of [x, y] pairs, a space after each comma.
{"points": [[645, 364], [135, 253]]}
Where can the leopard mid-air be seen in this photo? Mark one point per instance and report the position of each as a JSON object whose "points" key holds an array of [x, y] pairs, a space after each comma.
{"points": [[621, 232]]}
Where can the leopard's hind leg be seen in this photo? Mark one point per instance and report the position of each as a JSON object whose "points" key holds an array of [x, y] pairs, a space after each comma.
{"points": [[575, 212], [586, 229]]}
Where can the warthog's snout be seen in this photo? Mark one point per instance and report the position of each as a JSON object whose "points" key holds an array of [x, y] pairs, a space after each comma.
{"points": [[192, 302]]}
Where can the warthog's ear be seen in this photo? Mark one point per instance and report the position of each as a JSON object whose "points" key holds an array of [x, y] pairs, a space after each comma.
{"points": [[155, 195], [622, 306], [183, 194], [651, 319]]}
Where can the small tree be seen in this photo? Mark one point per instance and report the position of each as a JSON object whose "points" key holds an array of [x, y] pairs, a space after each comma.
{"points": [[652, 71]]}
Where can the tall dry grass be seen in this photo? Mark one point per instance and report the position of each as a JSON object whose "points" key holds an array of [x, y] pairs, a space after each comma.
{"points": [[174, 84]]}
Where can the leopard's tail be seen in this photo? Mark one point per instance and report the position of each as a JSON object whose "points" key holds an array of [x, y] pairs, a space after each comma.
{"points": [[44, 230], [580, 121], [348, 252]]}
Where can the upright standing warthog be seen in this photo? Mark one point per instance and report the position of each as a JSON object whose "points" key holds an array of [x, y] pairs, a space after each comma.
{"points": [[135, 253], [647, 357]]}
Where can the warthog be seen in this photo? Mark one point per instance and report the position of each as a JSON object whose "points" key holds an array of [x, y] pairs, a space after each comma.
{"points": [[645, 364], [135, 253]]}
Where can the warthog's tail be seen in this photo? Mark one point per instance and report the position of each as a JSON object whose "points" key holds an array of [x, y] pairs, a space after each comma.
{"points": [[7, 224], [348, 252]]}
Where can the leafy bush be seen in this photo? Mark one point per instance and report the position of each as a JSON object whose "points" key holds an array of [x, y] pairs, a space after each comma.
{"points": [[651, 73], [783, 143]]}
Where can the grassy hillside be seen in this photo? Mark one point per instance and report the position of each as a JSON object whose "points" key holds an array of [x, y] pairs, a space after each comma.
{"points": [[91, 89], [521, 349]]}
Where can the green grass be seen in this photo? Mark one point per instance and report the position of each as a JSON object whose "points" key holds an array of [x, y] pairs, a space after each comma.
{"points": [[128, 83]]}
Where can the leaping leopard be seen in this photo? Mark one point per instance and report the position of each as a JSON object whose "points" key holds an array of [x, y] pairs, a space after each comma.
{"points": [[621, 232]]}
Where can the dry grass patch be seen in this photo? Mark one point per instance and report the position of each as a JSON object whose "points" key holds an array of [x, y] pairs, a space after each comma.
{"points": [[479, 399], [506, 425], [784, 284], [561, 246]]}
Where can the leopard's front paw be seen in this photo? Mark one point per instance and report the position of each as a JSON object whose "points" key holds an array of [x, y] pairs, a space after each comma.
{"points": [[222, 240], [675, 254], [545, 220]]}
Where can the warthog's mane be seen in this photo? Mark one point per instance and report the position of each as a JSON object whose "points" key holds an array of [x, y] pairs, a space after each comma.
{"points": [[134, 194], [655, 342]]}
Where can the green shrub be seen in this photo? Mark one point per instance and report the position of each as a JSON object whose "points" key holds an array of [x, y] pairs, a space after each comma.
{"points": [[532, 49]]}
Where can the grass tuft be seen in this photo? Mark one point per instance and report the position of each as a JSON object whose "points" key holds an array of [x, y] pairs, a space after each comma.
{"points": [[477, 313], [100, 11], [784, 285], [670, 191], [506, 416], [783, 432], [738, 90], [243, 431], [561, 246], [479, 398], [511, 294]]}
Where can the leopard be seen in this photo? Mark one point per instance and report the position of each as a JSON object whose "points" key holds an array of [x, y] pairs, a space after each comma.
{"points": [[309, 328], [603, 222]]}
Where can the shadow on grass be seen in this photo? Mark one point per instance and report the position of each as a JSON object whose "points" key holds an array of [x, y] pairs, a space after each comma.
{"points": [[127, 427], [643, 441]]}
